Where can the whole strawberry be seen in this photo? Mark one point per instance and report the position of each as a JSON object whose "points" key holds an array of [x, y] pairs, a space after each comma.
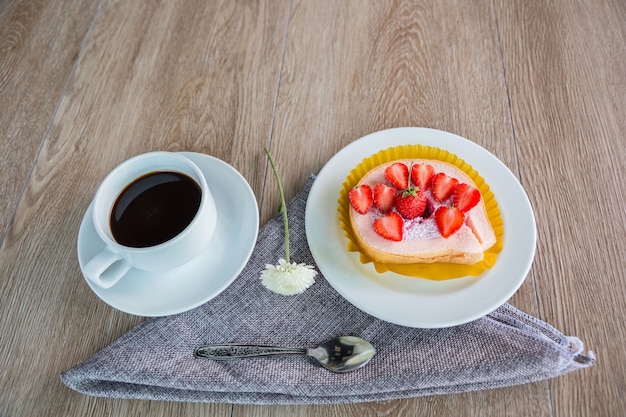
{"points": [[411, 203]]}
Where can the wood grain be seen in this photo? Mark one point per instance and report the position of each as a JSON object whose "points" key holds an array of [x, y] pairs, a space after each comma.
{"points": [[159, 75], [39, 43], [564, 77], [85, 85]]}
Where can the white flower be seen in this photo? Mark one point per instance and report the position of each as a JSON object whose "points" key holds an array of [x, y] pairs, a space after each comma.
{"points": [[288, 278]]}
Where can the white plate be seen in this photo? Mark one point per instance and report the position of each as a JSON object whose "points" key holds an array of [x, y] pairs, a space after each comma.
{"points": [[415, 302], [188, 286]]}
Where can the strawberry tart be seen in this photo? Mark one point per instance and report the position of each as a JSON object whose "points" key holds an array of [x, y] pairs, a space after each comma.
{"points": [[411, 211]]}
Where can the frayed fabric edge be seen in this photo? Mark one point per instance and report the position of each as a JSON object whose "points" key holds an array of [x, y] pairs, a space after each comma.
{"points": [[580, 357]]}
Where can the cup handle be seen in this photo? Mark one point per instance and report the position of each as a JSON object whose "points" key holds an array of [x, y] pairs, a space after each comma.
{"points": [[106, 268]]}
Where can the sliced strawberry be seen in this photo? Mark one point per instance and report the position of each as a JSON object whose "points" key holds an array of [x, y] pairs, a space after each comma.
{"points": [[384, 197], [449, 220], [465, 197], [398, 175], [361, 198], [389, 226], [443, 186], [411, 203], [422, 175]]}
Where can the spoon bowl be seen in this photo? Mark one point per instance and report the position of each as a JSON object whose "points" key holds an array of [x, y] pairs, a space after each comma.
{"points": [[340, 354]]}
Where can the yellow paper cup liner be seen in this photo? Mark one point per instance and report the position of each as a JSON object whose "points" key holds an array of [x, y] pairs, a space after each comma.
{"points": [[432, 271]]}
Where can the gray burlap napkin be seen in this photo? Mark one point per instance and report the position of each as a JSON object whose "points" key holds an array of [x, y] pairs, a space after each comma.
{"points": [[155, 360]]}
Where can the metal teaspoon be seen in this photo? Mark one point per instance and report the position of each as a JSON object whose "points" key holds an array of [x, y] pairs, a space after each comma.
{"points": [[340, 354]]}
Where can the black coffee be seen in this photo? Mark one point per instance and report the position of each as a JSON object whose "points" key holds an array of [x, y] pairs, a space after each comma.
{"points": [[154, 208]]}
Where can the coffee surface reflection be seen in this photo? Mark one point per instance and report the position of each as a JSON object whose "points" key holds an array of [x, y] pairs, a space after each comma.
{"points": [[154, 209]]}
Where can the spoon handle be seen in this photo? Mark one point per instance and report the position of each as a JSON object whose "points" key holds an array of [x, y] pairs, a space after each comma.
{"points": [[225, 352]]}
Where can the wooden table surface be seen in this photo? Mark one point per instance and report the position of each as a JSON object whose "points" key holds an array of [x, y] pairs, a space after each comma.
{"points": [[85, 85]]}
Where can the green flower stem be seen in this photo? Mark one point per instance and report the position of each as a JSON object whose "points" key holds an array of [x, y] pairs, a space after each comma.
{"points": [[283, 206]]}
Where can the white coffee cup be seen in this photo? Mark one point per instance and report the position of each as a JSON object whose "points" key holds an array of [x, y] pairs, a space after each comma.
{"points": [[115, 260]]}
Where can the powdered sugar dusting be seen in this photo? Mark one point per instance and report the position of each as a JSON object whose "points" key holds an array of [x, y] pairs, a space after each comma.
{"points": [[420, 229]]}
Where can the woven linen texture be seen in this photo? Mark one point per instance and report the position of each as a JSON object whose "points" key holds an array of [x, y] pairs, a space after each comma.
{"points": [[155, 359]]}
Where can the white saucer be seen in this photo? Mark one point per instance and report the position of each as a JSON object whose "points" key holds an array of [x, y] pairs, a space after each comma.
{"points": [[176, 290], [415, 302]]}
